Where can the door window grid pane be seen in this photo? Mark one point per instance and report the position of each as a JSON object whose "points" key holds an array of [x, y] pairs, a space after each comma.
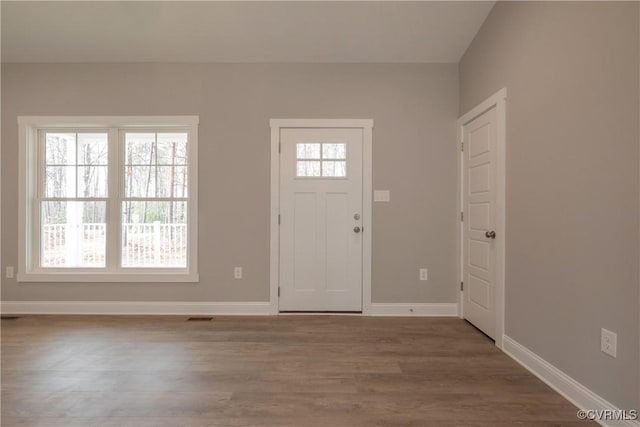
{"points": [[306, 150], [321, 160], [308, 168], [334, 151], [334, 168]]}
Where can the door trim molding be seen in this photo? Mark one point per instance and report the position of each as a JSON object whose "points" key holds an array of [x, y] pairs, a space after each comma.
{"points": [[367, 188], [498, 101]]}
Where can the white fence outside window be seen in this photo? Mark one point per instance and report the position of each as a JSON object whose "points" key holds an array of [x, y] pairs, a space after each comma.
{"points": [[143, 245]]}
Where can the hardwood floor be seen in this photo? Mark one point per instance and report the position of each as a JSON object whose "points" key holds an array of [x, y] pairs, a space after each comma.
{"points": [[330, 371]]}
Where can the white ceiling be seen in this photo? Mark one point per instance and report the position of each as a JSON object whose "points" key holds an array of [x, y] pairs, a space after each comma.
{"points": [[238, 31]]}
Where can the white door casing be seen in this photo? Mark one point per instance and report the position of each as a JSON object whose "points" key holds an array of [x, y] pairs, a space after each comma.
{"points": [[482, 201], [319, 261]]}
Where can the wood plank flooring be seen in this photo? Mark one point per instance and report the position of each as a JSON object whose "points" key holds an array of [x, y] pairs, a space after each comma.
{"points": [[329, 371]]}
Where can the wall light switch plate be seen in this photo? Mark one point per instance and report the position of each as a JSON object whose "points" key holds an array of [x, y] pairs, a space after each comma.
{"points": [[9, 272], [608, 342], [381, 196]]}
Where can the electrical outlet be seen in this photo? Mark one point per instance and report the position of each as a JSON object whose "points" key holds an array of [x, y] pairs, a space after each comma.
{"points": [[424, 274], [608, 342], [237, 272], [9, 272]]}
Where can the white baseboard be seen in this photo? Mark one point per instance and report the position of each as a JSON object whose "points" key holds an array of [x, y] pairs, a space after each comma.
{"points": [[572, 390], [135, 307], [202, 308], [418, 309]]}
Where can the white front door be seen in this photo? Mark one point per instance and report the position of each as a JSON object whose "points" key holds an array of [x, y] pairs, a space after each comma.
{"points": [[479, 204], [321, 219]]}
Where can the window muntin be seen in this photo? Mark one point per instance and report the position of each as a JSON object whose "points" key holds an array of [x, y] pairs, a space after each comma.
{"points": [[321, 160], [86, 183], [76, 164]]}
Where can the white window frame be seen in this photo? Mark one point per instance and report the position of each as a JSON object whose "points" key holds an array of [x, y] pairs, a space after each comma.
{"points": [[29, 224]]}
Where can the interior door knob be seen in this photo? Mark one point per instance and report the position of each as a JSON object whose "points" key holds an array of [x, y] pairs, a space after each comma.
{"points": [[490, 234], [356, 229]]}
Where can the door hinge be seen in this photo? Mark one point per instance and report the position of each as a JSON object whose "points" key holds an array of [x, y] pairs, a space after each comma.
{"points": [[278, 219], [462, 286], [278, 290], [279, 147], [461, 216], [462, 146]]}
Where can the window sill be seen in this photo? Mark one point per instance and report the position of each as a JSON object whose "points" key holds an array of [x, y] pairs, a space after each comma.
{"points": [[147, 277]]}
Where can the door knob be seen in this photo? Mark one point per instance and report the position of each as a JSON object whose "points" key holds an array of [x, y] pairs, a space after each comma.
{"points": [[490, 234], [356, 229]]}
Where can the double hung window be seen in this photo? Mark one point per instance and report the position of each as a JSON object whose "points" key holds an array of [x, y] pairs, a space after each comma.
{"points": [[108, 199]]}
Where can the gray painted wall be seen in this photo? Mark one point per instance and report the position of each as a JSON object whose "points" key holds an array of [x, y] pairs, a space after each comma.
{"points": [[571, 70], [414, 108]]}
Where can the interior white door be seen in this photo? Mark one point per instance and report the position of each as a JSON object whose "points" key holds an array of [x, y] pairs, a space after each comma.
{"points": [[321, 219], [479, 202]]}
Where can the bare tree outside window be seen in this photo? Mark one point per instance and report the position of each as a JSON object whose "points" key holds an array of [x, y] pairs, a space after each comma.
{"points": [[321, 160], [154, 209], [73, 209], [109, 198]]}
